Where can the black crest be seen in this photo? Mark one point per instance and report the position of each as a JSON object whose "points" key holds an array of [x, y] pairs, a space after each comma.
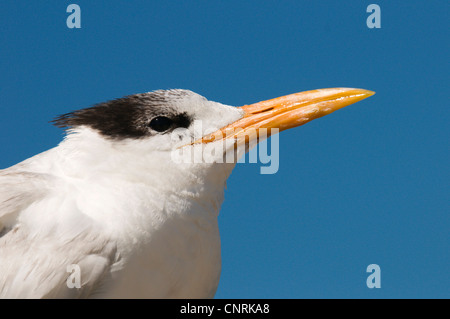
{"points": [[130, 116]]}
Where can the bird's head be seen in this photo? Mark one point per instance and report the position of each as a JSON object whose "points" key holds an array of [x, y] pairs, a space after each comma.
{"points": [[175, 127]]}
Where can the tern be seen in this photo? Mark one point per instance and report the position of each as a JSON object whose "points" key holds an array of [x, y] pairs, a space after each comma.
{"points": [[111, 208]]}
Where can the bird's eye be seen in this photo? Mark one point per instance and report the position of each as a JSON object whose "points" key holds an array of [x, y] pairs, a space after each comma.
{"points": [[160, 123]]}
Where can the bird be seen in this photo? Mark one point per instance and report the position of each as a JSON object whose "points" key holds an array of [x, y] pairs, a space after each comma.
{"points": [[112, 208]]}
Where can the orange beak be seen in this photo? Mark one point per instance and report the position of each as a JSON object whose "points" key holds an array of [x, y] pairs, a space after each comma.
{"points": [[286, 112]]}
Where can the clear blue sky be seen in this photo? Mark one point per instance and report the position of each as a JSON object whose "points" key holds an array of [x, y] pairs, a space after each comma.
{"points": [[368, 184]]}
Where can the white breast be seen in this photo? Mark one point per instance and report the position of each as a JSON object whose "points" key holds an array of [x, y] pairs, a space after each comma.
{"points": [[180, 260], [168, 241]]}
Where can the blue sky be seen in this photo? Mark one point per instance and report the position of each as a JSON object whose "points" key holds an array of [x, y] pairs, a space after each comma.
{"points": [[365, 185]]}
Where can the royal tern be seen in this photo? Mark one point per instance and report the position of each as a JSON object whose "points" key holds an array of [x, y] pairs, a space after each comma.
{"points": [[111, 202]]}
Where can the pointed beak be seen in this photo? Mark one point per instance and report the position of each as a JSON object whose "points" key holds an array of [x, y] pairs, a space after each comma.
{"points": [[286, 112]]}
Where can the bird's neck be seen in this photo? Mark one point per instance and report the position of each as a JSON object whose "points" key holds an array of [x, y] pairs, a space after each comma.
{"points": [[85, 157]]}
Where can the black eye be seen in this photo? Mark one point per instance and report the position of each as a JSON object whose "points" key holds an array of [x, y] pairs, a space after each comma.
{"points": [[160, 123]]}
